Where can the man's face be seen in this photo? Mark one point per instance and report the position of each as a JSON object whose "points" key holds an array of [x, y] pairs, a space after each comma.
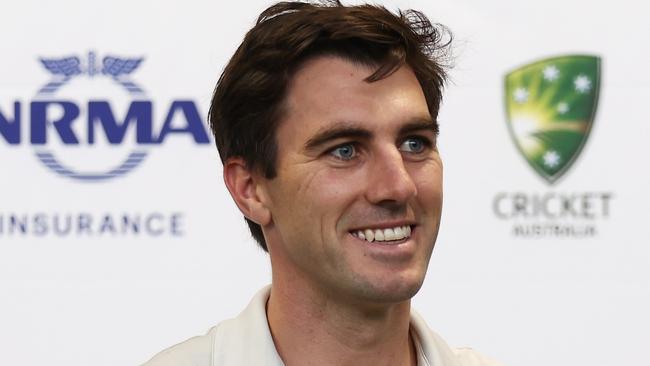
{"points": [[356, 162]]}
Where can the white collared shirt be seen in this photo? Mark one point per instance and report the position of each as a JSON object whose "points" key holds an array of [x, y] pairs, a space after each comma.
{"points": [[246, 340]]}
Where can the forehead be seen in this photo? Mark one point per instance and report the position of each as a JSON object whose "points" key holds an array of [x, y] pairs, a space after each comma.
{"points": [[330, 90]]}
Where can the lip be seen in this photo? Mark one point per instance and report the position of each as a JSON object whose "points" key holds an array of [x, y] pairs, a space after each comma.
{"points": [[385, 225]]}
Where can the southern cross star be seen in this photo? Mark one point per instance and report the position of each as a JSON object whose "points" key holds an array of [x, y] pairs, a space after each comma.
{"points": [[520, 95], [551, 73], [582, 83], [551, 158]]}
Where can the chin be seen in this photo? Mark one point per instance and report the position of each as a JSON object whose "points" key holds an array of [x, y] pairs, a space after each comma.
{"points": [[391, 291]]}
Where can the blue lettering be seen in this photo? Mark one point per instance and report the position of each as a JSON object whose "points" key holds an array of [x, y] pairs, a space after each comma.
{"points": [[194, 125], [20, 224], [107, 225], [63, 126], [68, 225], [140, 111], [153, 231], [101, 117], [130, 223], [40, 224], [10, 129], [175, 224], [83, 224]]}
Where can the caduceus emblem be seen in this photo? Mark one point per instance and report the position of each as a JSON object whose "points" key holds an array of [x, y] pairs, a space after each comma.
{"points": [[66, 68]]}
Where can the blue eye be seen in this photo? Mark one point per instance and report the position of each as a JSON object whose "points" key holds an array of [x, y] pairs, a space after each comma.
{"points": [[344, 152], [414, 145]]}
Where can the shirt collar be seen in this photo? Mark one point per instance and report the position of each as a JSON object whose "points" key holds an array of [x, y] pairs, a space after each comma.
{"points": [[250, 330]]}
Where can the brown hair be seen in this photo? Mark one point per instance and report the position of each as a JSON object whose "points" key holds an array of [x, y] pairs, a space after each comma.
{"points": [[248, 100]]}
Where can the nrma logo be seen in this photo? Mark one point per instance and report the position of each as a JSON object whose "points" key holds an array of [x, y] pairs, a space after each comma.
{"points": [[96, 139]]}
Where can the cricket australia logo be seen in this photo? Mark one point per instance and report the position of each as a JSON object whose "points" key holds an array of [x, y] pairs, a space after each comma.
{"points": [[550, 106]]}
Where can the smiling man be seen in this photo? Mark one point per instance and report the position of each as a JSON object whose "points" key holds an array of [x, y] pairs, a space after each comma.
{"points": [[325, 120]]}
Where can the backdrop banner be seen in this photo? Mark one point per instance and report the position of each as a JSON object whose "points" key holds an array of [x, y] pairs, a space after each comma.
{"points": [[118, 237]]}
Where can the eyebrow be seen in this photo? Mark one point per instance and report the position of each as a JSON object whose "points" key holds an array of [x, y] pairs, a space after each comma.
{"points": [[339, 130], [420, 124], [352, 130]]}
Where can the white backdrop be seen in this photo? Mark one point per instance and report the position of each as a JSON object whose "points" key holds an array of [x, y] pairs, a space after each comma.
{"points": [[112, 298]]}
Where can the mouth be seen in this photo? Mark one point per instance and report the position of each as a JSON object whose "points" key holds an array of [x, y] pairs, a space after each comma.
{"points": [[387, 236]]}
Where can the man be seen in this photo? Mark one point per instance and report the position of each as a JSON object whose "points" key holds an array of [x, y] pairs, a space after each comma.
{"points": [[325, 120]]}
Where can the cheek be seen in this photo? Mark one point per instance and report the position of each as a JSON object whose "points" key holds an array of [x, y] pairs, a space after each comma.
{"points": [[325, 186], [429, 185], [431, 168], [311, 198]]}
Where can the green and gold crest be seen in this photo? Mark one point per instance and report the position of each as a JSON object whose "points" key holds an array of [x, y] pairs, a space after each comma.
{"points": [[551, 105]]}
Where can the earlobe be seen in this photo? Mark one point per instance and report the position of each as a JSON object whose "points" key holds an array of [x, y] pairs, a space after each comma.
{"points": [[245, 188]]}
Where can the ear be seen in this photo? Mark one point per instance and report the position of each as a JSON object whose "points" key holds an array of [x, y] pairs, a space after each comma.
{"points": [[243, 186]]}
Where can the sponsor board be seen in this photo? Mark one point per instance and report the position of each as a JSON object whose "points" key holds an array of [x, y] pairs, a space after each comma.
{"points": [[550, 109], [92, 123]]}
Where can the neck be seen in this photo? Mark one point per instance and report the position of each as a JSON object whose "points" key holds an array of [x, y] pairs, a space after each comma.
{"points": [[310, 327]]}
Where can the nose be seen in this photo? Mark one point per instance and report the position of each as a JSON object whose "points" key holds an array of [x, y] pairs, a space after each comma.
{"points": [[389, 181]]}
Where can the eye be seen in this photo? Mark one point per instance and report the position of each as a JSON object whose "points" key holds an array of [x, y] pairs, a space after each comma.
{"points": [[344, 152], [415, 145]]}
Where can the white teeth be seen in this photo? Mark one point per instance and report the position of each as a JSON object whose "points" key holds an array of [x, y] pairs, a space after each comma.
{"points": [[379, 235], [370, 235], [389, 234]]}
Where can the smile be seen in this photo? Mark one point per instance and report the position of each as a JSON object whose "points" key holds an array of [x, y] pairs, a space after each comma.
{"points": [[388, 234]]}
